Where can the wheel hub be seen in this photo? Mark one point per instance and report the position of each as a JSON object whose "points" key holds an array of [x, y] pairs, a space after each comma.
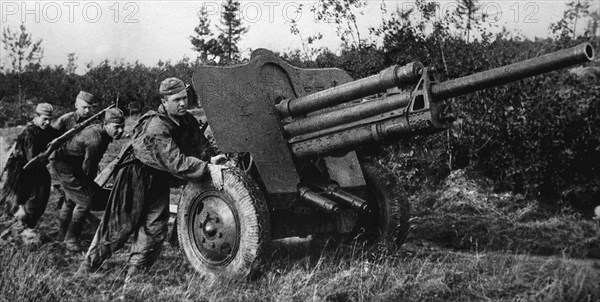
{"points": [[215, 229]]}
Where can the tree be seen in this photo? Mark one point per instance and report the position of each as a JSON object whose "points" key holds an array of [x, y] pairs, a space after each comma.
{"points": [[567, 26], [309, 53], [221, 49], [71, 65], [22, 51], [231, 32], [203, 41], [467, 10], [594, 23], [343, 14]]}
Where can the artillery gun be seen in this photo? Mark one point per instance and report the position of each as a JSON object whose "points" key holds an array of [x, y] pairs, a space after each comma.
{"points": [[304, 130]]}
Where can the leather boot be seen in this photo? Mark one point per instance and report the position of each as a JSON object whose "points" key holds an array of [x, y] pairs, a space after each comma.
{"points": [[72, 238], [63, 226], [64, 219]]}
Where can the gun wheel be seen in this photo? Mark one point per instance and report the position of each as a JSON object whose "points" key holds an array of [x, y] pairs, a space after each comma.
{"points": [[390, 211], [227, 232]]}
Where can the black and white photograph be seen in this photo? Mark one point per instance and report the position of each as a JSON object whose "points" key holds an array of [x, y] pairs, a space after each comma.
{"points": [[302, 150]]}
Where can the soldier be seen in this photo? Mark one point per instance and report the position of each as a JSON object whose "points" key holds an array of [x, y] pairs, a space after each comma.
{"points": [[165, 143], [84, 104], [26, 193], [76, 166]]}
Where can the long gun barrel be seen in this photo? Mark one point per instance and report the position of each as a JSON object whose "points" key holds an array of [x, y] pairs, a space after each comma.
{"points": [[59, 141], [406, 112], [390, 77], [287, 116], [513, 72]]}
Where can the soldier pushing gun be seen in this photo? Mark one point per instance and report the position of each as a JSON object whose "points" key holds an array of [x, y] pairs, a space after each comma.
{"points": [[166, 143]]}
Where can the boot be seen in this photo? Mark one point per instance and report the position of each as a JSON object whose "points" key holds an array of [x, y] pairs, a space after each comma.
{"points": [[63, 226], [72, 237], [132, 272]]}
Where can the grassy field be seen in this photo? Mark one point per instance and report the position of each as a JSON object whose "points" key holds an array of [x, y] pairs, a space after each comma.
{"points": [[466, 244]]}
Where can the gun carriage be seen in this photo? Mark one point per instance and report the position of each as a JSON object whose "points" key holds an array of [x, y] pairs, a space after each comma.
{"points": [[305, 130]]}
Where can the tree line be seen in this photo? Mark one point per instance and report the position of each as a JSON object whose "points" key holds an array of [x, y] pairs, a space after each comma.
{"points": [[537, 137]]}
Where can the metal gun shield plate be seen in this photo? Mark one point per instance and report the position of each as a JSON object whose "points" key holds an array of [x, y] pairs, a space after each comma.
{"points": [[228, 96]]}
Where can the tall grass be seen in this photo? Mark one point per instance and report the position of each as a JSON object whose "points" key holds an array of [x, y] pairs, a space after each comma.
{"points": [[27, 276], [307, 272]]}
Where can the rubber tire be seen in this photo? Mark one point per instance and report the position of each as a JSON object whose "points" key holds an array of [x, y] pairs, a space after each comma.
{"points": [[388, 222], [252, 215]]}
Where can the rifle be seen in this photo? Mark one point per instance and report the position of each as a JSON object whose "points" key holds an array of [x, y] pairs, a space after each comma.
{"points": [[59, 141], [107, 172]]}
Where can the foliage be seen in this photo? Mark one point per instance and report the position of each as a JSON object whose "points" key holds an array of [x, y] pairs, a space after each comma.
{"points": [[23, 52], [343, 14], [535, 137], [109, 81], [203, 42], [71, 63], [574, 12], [306, 42], [231, 32], [223, 48], [468, 11]]}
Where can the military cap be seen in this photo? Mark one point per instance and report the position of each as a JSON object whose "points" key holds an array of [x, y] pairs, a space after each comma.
{"points": [[86, 96], [114, 115], [170, 86], [44, 109]]}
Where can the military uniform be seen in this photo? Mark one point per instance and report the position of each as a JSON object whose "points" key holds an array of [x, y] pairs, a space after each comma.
{"points": [[76, 165], [139, 200], [29, 189], [67, 121], [62, 124]]}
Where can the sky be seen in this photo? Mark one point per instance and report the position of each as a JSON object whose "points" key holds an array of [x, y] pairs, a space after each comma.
{"points": [[149, 31]]}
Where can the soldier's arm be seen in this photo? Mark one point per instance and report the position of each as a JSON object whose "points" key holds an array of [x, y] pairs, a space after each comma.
{"points": [[157, 149], [93, 153], [59, 124]]}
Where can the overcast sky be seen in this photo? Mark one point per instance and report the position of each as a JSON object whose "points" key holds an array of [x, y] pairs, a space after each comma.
{"points": [[149, 31]]}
